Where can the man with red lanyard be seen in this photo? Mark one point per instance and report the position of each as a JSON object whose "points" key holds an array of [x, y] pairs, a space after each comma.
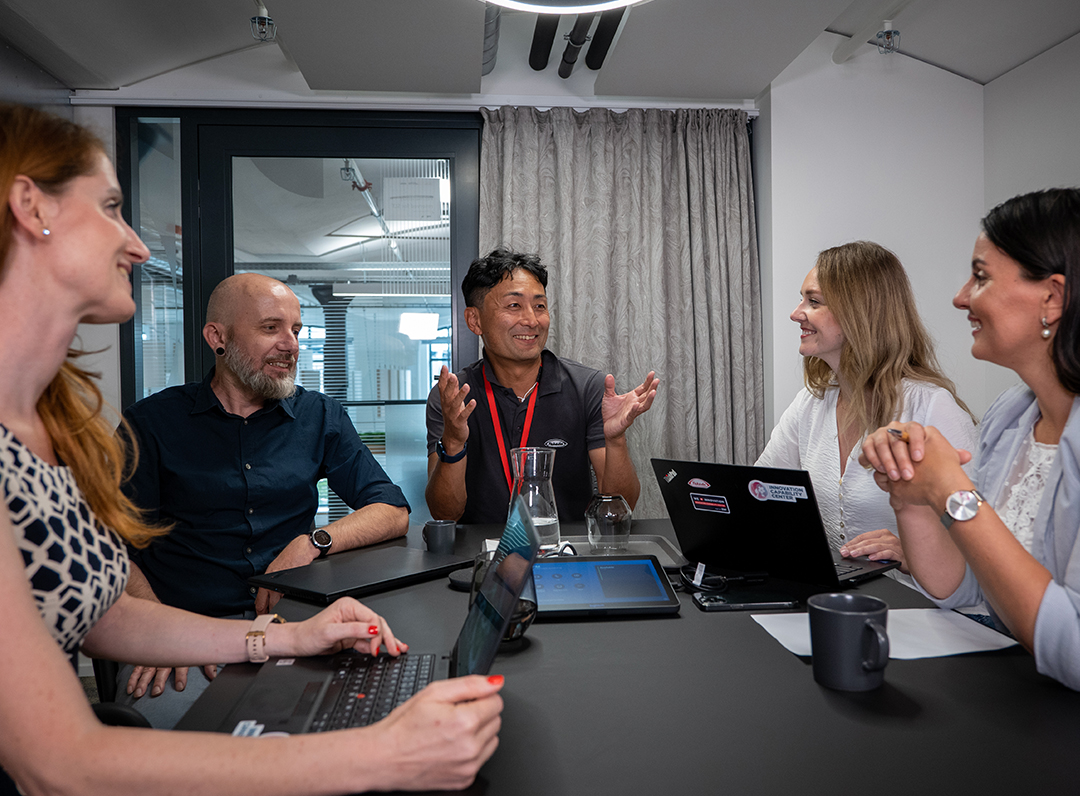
{"points": [[518, 395]]}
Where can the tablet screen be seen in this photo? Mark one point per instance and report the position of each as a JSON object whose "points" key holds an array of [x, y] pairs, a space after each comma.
{"points": [[597, 585]]}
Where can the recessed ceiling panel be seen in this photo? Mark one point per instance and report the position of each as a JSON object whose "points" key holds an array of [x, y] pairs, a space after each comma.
{"points": [[425, 46], [711, 49], [976, 39], [119, 42]]}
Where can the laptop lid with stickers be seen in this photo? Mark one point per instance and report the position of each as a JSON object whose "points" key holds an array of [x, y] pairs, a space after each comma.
{"points": [[739, 519]]}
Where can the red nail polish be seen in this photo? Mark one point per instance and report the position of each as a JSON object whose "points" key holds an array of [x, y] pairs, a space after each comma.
{"points": [[496, 679], [373, 630]]}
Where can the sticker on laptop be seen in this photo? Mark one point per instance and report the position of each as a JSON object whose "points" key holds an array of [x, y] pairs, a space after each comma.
{"points": [[248, 729], [699, 483], [703, 502], [785, 493]]}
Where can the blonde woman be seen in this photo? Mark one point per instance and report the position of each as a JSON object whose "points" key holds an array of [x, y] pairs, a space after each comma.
{"points": [[868, 360]]}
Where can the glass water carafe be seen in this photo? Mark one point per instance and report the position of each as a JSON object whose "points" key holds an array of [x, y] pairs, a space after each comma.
{"points": [[532, 480]]}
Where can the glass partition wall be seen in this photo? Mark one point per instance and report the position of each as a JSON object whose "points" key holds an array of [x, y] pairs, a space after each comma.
{"points": [[159, 282], [371, 219], [365, 245]]}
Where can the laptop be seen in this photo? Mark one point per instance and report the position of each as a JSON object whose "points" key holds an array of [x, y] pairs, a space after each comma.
{"points": [[569, 587], [739, 519], [357, 573], [351, 689]]}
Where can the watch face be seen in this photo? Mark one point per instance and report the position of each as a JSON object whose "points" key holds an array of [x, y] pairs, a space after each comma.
{"points": [[321, 538], [962, 505]]}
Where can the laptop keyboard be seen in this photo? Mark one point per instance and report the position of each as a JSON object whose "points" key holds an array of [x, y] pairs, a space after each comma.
{"points": [[365, 689]]}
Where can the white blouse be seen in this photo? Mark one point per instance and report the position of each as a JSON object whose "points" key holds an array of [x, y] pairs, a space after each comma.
{"points": [[806, 438], [1024, 487]]}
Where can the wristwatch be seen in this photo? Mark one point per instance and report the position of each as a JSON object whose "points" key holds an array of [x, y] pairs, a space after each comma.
{"points": [[322, 541], [256, 637], [964, 504], [446, 457]]}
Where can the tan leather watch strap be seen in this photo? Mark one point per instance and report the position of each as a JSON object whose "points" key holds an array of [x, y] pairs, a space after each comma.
{"points": [[256, 637]]}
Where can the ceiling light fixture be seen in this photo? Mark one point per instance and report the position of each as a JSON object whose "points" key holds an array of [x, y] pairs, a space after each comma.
{"points": [[419, 325], [565, 6], [262, 26], [888, 40]]}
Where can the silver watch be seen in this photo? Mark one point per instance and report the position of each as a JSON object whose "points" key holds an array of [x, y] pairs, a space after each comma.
{"points": [[964, 505]]}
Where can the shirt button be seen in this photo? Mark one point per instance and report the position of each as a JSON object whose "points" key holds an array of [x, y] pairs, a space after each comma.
{"points": [[245, 422], [252, 590], [248, 549], [251, 511], [247, 466], [842, 536]]}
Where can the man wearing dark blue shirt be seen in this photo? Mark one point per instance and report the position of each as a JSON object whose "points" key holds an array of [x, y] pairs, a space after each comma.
{"points": [[232, 464]]}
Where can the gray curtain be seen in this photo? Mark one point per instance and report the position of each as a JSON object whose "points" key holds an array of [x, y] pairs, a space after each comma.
{"points": [[645, 220]]}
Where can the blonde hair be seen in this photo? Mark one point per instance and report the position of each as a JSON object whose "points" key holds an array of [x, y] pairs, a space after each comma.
{"points": [[52, 151], [868, 293]]}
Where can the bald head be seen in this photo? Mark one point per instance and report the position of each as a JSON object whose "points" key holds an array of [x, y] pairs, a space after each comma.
{"points": [[238, 293], [252, 324]]}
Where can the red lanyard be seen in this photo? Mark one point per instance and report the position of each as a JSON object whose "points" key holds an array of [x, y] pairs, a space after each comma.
{"points": [[498, 425]]}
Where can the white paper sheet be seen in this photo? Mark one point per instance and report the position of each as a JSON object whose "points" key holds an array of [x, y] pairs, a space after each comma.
{"points": [[913, 633]]}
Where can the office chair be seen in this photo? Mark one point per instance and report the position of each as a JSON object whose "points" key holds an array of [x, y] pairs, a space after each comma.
{"points": [[107, 709]]}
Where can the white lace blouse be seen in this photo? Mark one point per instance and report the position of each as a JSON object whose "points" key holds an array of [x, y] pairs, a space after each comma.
{"points": [[1024, 488]]}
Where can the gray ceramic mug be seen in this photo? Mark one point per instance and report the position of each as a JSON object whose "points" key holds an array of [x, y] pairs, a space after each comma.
{"points": [[848, 639], [439, 535]]}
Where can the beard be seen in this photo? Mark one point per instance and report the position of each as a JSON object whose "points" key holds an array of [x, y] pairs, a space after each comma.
{"points": [[250, 374]]}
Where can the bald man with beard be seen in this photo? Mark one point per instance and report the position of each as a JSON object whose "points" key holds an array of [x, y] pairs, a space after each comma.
{"points": [[232, 465]]}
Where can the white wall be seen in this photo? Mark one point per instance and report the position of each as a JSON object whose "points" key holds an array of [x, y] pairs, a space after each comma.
{"points": [[1033, 125], [883, 148]]}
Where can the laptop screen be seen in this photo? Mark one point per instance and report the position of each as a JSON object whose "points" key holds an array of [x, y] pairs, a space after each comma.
{"points": [[497, 598]]}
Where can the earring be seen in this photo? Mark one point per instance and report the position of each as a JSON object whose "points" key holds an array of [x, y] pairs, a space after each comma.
{"points": [[219, 351], [46, 232], [1045, 330]]}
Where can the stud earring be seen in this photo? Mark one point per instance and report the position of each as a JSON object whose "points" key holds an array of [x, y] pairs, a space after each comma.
{"points": [[219, 351], [1045, 330], [46, 232]]}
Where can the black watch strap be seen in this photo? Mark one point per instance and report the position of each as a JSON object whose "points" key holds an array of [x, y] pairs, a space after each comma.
{"points": [[446, 457]]}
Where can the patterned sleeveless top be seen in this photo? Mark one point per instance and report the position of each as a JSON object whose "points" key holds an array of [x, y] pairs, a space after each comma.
{"points": [[76, 569]]}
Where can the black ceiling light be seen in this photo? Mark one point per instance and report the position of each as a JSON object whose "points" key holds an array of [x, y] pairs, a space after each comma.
{"points": [[565, 6]]}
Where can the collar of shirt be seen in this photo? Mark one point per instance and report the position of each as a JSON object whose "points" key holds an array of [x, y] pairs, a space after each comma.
{"points": [[551, 379], [206, 399]]}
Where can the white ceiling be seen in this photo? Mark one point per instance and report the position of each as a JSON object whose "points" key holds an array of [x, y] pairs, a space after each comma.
{"points": [[704, 50]]}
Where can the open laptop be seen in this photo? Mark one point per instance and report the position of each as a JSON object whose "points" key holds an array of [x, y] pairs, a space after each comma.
{"points": [[357, 573], [350, 689], [740, 519]]}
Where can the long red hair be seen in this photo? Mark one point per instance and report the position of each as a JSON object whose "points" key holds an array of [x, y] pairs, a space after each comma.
{"points": [[52, 151]]}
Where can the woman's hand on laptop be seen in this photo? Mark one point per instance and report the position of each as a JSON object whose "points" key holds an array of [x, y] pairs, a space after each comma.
{"points": [[347, 624], [880, 545], [439, 739]]}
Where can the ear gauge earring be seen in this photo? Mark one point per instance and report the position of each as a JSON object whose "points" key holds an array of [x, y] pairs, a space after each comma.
{"points": [[219, 351], [1045, 330]]}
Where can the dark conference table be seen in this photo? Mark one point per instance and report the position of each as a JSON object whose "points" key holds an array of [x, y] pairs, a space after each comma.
{"points": [[710, 703]]}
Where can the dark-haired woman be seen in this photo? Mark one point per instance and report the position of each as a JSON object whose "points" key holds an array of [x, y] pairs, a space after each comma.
{"points": [[867, 359], [1013, 536], [66, 256]]}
